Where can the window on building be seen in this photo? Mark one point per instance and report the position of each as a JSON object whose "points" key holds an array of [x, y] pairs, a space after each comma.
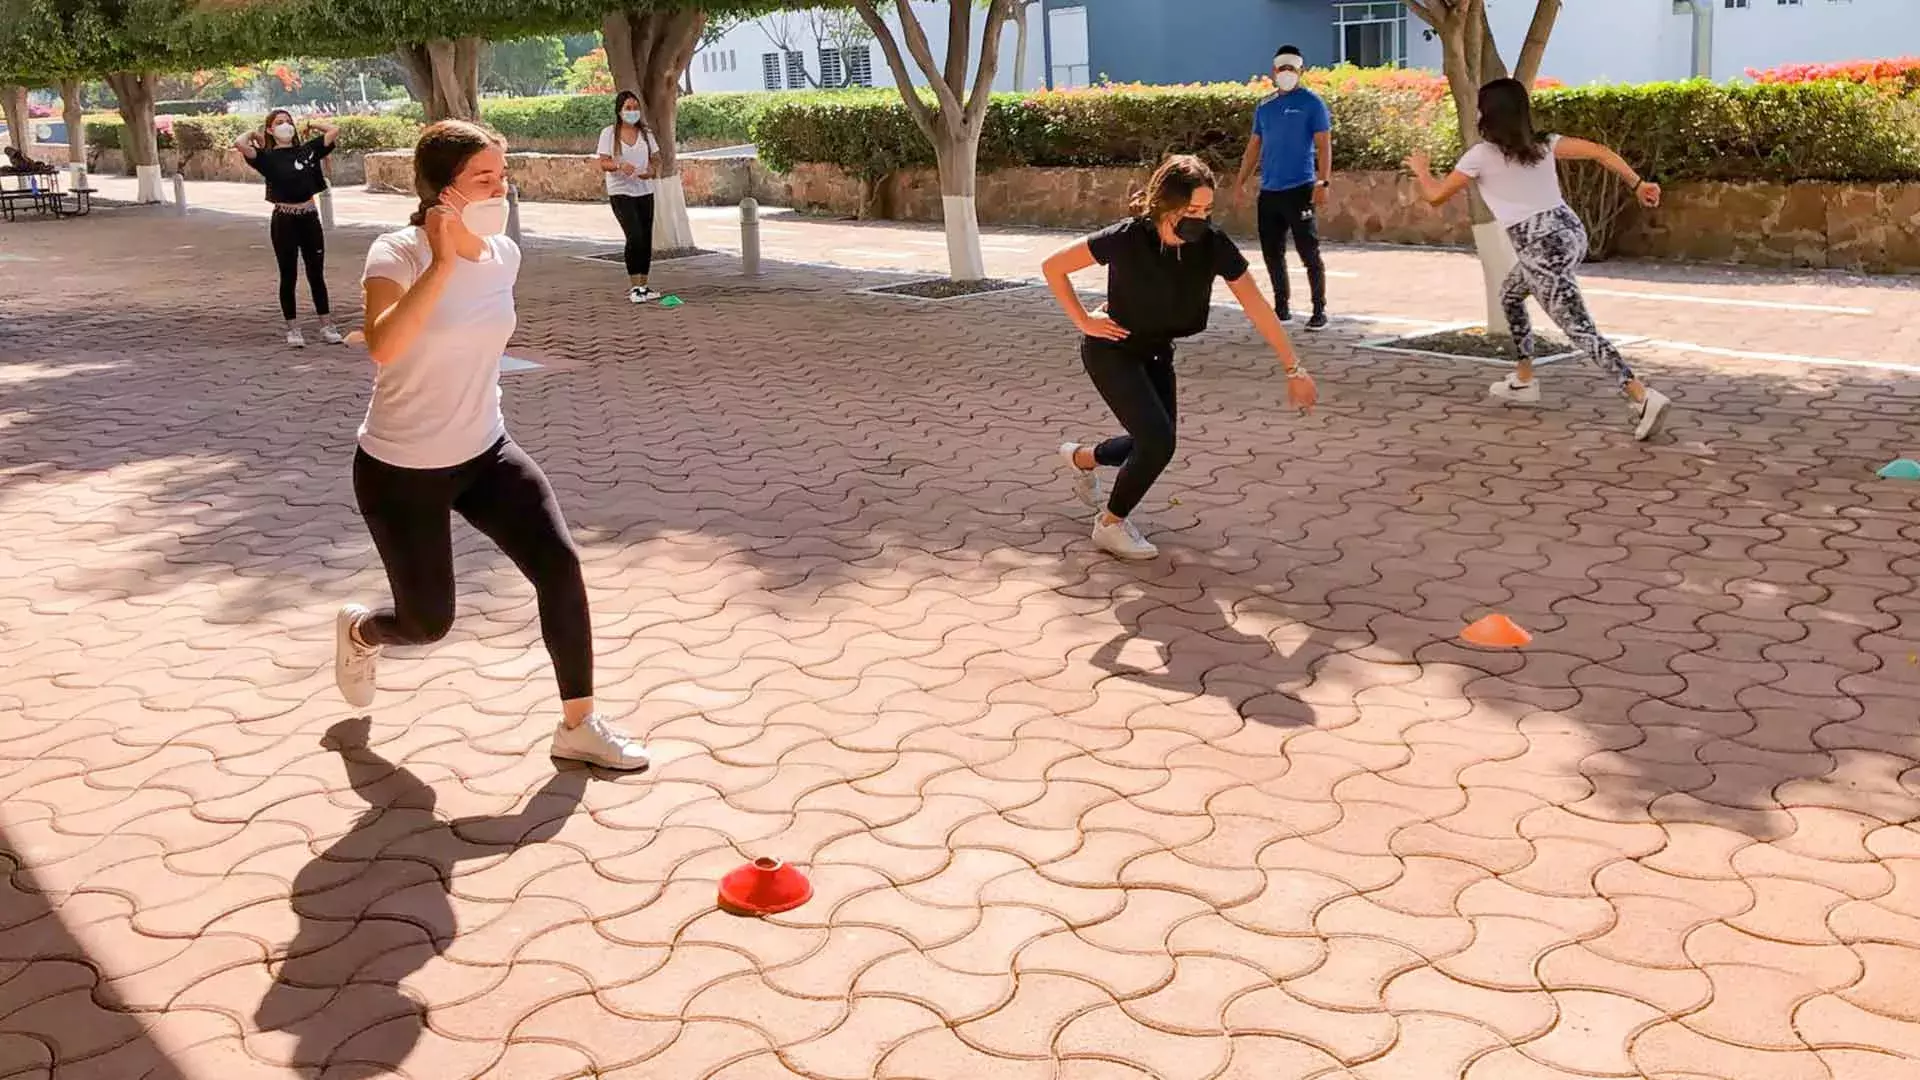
{"points": [[830, 73], [859, 61], [1736, 4], [770, 70], [796, 70], [1067, 36], [1372, 34], [1789, 3]]}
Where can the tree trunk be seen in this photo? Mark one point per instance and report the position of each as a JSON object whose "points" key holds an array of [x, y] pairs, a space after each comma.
{"points": [[1020, 44], [954, 122], [649, 53], [443, 75], [13, 99], [74, 113], [135, 93]]}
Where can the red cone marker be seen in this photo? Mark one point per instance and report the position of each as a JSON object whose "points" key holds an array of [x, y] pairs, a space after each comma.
{"points": [[764, 887]]}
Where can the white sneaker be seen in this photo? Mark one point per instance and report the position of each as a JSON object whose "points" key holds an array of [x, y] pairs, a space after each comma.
{"points": [[330, 335], [354, 664], [1122, 540], [1512, 390], [598, 742], [295, 338], [640, 294], [1652, 413], [1086, 486]]}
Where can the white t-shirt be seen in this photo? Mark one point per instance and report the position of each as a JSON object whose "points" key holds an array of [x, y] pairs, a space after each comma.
{"points": [[439, 404], [1514, 192], [639, 155]]}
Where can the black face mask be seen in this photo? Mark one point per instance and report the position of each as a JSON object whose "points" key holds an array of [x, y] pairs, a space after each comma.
{"points": [[1192, 230]]}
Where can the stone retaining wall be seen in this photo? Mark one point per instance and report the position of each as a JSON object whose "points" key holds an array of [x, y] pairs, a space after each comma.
{"points": [[347, 167], [575, 178]]}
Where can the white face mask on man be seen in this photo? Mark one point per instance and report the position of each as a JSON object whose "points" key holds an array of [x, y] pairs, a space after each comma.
{"points": [[1286, 79]]}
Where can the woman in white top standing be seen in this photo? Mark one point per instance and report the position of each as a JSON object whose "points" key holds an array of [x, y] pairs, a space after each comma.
{"points": [[1516, 171], [439, 311], [627, 151]]}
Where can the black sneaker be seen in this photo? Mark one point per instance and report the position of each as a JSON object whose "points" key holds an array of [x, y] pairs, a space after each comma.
{"points": [[1318, 322], [1285, 315]]}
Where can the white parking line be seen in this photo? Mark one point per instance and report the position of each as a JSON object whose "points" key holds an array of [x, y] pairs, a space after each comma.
{"points": [[1721, 301], [1784, 358]]}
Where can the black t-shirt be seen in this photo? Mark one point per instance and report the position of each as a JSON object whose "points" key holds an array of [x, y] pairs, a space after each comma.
{"points": [[293, 172], [1162, 291]]}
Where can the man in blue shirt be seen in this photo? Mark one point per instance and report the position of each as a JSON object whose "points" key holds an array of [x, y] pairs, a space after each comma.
{"points": [[1292, 143]]}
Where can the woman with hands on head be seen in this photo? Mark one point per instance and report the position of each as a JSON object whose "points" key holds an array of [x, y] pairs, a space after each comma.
{"points": [[439, 311], [1161, 262], [294, 178], [1516, 171]]}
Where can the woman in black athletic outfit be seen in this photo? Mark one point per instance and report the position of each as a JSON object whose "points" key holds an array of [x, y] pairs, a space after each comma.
{"points": [[293, 173], [1160, 263]]}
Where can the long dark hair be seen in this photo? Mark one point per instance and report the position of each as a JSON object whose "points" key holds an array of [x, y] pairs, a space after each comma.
{"points": [[1171, 187], [620, 102], [443, 150], [1506, 121]]}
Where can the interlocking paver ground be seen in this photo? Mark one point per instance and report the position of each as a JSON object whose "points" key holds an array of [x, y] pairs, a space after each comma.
{"points": [[1247, 811]]}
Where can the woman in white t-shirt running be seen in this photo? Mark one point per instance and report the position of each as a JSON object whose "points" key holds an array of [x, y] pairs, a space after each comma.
{"points": [[1517, 174], [627, 150], [439, 311]]}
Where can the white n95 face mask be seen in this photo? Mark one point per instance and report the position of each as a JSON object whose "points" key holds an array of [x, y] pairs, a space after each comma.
{"points": [[1286, 79], [283, 132], [485, 217]]}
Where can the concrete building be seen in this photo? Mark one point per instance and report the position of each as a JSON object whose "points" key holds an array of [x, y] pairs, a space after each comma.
{"points": [[799, 50], [1177, 41]]}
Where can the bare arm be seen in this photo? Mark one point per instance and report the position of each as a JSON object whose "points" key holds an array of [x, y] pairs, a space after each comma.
{"points": [[1568, 148], [246, 145], [396, 312], [329, 133], [1434, 191], [1248, 162], [1252, 301], [1057, 268], [1323, 152]]}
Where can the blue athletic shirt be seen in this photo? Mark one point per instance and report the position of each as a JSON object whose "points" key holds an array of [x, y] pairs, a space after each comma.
{"points": [[1286, 124]]}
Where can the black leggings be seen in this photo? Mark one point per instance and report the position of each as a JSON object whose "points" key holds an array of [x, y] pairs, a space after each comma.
{"points": [[295, 237], [504, 495], [635, 214], [1137, 381], [1290, 213]]}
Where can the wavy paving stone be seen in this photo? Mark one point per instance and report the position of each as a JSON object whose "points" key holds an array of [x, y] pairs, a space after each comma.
{"points": [[1249, 811]]}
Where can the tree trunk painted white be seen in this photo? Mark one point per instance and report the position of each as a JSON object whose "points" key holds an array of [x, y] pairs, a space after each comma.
{"points": [[1020, 43], [958, 159], [135, 93], [672, 226], [1497, 260]]}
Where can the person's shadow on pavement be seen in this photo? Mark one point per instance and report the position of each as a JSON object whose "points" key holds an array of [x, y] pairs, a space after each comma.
{"points": [[1205, 654], [374, 908]]}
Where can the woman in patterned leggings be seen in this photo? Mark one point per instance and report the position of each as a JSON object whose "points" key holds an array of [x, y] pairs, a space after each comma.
{"points": [[1516, 171]]}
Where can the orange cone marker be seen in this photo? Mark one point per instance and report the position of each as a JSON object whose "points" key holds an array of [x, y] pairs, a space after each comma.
{"points": [[764, 887], [1496, 632]]}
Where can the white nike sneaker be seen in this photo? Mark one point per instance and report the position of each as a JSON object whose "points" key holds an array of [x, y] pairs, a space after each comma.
{"points": [[295, 338], [1652, 413], [1086, 485], [354, 664], [1513, 391], [330, 335], [1122, 540], [598, 742]]}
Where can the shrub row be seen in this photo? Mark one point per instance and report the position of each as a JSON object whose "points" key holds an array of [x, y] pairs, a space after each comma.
{"points": [[199, 133], [1834, 130]]}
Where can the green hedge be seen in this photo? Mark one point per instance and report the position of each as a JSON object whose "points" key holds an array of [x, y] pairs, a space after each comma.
{"points": [[705, 117], [1675, 131], [190, 108], [194, 134]]}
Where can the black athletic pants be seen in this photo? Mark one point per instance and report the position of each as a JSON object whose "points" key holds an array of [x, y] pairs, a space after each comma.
{"points": [[635, 214], [296, 237], [1136, 379], [1291, 213], [504, 495]]}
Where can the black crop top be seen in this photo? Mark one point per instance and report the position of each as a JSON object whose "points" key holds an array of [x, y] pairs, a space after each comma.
{"points": [[293, 172], [1160, 292]]}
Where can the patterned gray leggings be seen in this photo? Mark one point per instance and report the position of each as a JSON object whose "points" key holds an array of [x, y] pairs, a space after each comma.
{"points": [[1551, 246]]}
